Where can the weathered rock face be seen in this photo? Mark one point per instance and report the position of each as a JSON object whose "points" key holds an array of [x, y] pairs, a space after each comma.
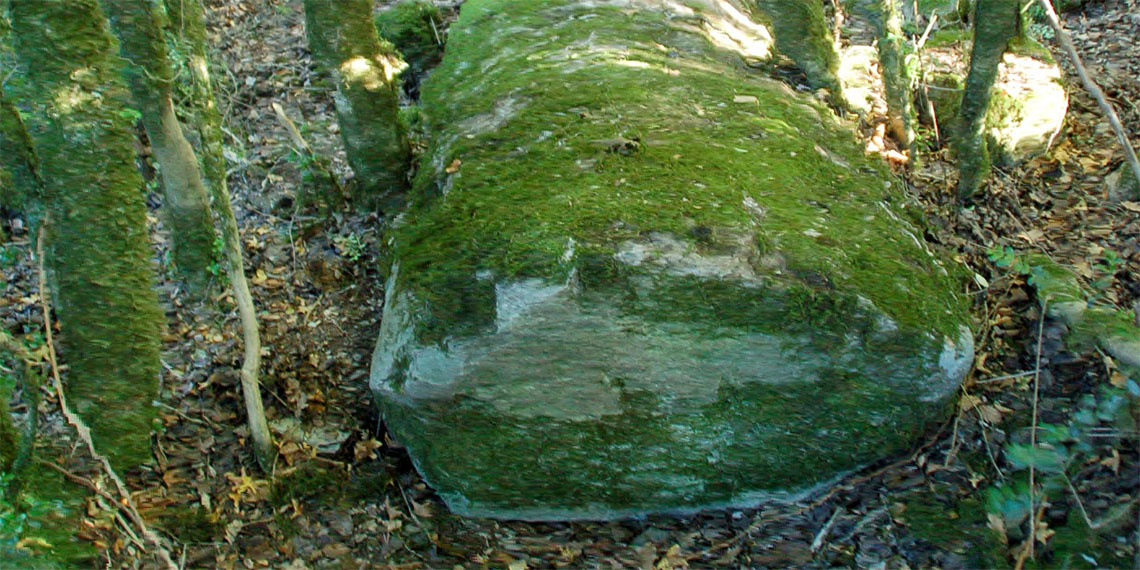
{"points": [[638, 278]]}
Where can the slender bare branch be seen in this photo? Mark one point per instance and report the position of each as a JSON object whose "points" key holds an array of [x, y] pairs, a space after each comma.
{"points": [[1091, 86]]}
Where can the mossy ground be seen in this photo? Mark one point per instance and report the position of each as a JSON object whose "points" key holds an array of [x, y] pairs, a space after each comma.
{"points": [[955, 526]]}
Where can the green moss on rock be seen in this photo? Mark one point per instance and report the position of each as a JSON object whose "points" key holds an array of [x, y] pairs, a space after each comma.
{"points": [[699, 151], [632, 267]]}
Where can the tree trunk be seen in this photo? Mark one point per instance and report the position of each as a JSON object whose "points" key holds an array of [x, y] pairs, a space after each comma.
{"points": [[344, 43], [98, 250], [138, 23], [995, 24], [188, 22], [20, 186], [896, 79], [801, 33]]}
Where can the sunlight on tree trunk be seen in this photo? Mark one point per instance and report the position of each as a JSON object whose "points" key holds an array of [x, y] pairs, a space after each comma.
{"points": [[99, 250], [345, 44], [995, 25], [188, 23], [138, 23], [896, 78]]}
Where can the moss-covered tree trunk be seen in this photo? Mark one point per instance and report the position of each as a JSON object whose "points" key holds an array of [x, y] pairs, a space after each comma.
{"points": [[98, 248], [20, 186], [345, 45], [189, 23], [139, 23], [896, 78], [19, 183], [801, 33], [995, 25]]}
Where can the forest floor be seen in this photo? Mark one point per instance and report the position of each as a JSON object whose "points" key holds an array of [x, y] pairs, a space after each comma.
{"points": [[343, 495]]}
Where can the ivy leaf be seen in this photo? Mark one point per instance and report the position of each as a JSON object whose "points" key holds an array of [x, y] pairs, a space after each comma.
{"points": [[1046, 459], [1011, 503], [1054, 434]]}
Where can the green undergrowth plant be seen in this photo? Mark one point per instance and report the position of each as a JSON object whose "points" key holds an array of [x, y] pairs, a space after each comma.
{"points": [[17, 538], [217, 267], [350, 246], [35, 501], [1062, 451], [319, 186], [1049, 458], [1036, 22], [1086, 311]]}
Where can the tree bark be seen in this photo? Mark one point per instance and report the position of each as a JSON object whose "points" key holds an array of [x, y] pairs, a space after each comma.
{"points": [[20, 186], [188, 22], [801, 33], [99, 250], [345, 44], [896, 79], [138, 24], [996, 23]]}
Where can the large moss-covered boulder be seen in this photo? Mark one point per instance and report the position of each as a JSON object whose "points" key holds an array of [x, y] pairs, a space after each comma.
{"points": [[636, 277]]}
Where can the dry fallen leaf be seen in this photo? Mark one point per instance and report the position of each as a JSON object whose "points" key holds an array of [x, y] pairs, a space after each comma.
{"points": [[996, 524], [1112, 462], [453, 167], [992, 413], [969, 401], [366, 449], [1117, 379], [422, 510]]}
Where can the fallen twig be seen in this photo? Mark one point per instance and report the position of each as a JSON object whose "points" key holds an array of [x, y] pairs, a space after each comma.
{"points": [[1091, 86], [1006, 377], [301, 147], [1033, 425], [820, 537]]}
